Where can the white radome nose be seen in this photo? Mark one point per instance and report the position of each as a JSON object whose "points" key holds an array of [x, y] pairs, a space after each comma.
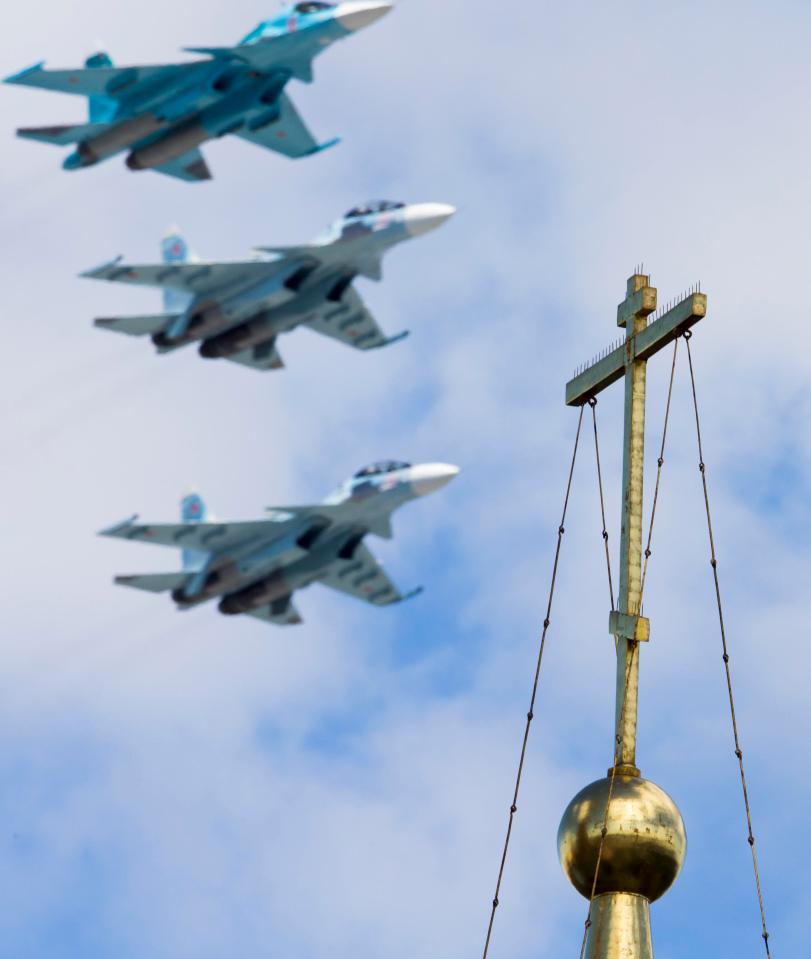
{"points": [[357, 14], [428, 477], [423, 217]]}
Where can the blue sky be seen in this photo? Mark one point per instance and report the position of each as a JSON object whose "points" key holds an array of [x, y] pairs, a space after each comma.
{"points": [[190, 786]]}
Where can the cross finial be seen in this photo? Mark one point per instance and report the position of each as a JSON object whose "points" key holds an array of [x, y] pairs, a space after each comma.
{"points": [[640, 299]]}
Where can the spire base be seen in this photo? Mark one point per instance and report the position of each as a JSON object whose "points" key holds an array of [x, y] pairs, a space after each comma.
{"points": [[619, 927], [625, 769]]}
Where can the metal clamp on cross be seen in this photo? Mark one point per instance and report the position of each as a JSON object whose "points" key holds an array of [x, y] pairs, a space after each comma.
{"points": [[629, 358]]}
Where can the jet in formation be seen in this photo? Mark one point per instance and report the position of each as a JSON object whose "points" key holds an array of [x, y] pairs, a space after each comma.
{"points": [[236, 310], [162, 114], [255, 567]]}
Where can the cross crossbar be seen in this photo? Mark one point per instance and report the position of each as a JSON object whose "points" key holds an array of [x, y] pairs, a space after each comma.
{"points": [[639, 346]]}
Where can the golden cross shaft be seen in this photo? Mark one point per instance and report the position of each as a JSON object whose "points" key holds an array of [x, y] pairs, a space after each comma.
{"points": [[642, 340]]}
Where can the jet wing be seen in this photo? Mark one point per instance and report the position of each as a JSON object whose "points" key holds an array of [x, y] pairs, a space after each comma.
{"points": [[265, 356], [209, 537], [350, 322], [364, 578], [198, 279], [281, 613], [98, 81], [287, 135]]}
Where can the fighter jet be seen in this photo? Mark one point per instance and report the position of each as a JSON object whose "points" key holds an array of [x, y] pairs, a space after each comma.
{"points": [[236, 310], [255, 567], [161, 114]]}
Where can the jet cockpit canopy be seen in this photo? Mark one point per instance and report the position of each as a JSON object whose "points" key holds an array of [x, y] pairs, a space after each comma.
{"points": [[373, 206], [313, 6], [377, 469]]}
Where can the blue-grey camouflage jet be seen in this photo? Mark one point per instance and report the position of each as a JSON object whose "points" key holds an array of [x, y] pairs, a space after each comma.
{"points": [[236, 310], [255, 567], [161, 114]]}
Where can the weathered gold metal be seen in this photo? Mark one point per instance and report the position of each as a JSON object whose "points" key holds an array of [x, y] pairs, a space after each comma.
{"points": [[645, 842], [628, 855], [619, 927], [656, 336], [626, 626], [633, 465]]}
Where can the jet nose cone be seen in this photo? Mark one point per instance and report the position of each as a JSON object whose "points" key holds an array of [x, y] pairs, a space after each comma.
{"points": [[429, 477], [423, 217], [357, 14]]}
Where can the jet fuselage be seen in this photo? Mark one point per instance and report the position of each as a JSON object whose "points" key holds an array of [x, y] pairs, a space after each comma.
{"points": [[162, 114], [253, 315], [260, 576]]}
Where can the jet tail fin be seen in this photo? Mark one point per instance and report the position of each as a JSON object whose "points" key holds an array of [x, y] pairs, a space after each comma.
{"points": [[174, 249], [100, 109], [193, 510]]}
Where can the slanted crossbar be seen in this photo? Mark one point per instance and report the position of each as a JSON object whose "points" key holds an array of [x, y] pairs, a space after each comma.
{"points": [[638, 346]]}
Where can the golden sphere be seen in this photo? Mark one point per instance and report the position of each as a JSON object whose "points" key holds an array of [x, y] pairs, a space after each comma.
{"points": [[644, 845]]}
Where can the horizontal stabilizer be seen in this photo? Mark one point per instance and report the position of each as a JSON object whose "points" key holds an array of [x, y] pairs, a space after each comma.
{"points": [[63, 135], [155, 582], [136, 325]]}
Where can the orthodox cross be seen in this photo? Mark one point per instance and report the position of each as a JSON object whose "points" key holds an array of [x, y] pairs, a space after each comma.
{"points": [[629, 359]]}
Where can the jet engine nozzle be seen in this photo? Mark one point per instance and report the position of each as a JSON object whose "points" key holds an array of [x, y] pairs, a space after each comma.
{"points": [[357, 14], [230, 607], [135, 163], [429, 477], [212, 349], [266, 591], [423, 217]]}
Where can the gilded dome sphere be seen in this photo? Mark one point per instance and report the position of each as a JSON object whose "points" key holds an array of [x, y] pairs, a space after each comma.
{"points": [[645, 842]]}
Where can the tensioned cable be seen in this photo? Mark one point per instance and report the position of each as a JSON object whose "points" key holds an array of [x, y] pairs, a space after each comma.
{"points": [[714, 565], [659, 464], [531, 711]]}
